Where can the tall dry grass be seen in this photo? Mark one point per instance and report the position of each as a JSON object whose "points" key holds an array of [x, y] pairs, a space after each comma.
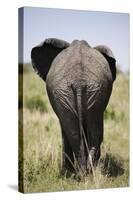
{"points": [[42, 144]]}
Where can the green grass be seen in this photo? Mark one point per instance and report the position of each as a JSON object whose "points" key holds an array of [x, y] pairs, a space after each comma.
{"points": [[36, 103], [42, 145]]}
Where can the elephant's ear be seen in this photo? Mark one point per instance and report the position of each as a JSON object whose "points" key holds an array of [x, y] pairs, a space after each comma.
{"points": [[107, 53], [43, 55]]}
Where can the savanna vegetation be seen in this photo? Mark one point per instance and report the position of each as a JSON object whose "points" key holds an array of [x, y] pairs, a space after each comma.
{"points": [[40, 155]]}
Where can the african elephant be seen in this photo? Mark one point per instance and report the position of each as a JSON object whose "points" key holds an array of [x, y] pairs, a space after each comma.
{"points": [[79, 82]]}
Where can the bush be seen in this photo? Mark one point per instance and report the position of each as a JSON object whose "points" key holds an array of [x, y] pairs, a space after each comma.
{"points": [[112, 166], [109, 114], [36, 103]]}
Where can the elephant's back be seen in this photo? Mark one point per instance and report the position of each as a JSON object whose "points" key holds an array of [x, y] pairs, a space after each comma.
{"points": [[79, 64], [95, 66]]}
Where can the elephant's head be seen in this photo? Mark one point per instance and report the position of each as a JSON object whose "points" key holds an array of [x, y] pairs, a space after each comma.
{"points": [[43, 55]]}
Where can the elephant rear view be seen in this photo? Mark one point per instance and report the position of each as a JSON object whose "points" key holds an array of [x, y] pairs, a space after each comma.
{"points": [[79, 82]]}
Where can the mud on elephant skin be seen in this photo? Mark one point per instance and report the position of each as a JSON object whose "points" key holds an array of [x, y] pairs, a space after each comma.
{"points": [[79, 80]]}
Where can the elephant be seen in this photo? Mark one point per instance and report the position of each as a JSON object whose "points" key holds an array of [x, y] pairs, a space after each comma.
{"points": [[79, 81]]}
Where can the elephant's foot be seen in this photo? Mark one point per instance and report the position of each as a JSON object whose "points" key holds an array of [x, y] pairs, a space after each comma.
{"points": [[76, 166], [80, 165], [68, 164], [93, 158]]}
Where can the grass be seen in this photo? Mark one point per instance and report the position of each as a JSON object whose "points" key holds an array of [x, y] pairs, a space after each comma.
{"points": [[36, 103], [42, 145]]}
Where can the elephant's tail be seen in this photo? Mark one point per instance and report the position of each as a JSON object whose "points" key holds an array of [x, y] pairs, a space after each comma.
{"points": [[78, 101], [79, 109]]}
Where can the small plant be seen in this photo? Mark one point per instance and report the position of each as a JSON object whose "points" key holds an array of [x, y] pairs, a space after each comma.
{"points": [[36, 103], [109, 114], [112, 166]]}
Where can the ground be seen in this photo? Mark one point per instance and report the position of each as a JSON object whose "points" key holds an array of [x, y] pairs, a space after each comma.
{"points": [[41, 159]]}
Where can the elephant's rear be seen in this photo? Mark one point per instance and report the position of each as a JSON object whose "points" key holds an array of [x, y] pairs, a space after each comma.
{"points": [[80, 68]]}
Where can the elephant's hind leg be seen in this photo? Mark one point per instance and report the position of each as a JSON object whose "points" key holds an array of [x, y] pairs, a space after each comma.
{"points": [[68, 159], [64, 105], [73, 147], [95, 135]]}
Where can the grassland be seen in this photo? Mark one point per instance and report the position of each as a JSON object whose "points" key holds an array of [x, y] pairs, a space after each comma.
{"points": [[42, 145]]}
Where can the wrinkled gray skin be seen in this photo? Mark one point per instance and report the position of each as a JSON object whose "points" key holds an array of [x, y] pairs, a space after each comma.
{"points": [[79, 82]]}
